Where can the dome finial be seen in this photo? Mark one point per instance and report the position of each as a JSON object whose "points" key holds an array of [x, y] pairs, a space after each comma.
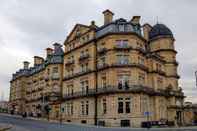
{"points": [[157, 20]]}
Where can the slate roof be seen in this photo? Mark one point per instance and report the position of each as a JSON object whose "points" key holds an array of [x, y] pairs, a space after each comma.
{"points": [[55, 58], [118, 25], [160, 30]]}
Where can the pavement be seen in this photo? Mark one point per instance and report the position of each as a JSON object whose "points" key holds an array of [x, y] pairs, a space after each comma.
{"points": [[4, 127], [22, 124]]}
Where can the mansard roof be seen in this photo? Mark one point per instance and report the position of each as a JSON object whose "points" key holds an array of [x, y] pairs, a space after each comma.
{"points": [[55, 58], [117, 26]]}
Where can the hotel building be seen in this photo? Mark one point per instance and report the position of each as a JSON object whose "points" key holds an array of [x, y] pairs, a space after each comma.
{"points": [[119, 74]]}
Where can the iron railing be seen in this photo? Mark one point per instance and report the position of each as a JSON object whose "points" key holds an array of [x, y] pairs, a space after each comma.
{"points": [[83, 57], [123, 89]]}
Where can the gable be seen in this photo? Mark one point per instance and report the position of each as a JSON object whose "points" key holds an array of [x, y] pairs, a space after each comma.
{"points": [[76, 31]]}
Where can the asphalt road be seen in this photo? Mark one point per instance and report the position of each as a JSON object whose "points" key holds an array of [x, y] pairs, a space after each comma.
{"points": [[20, 124]]}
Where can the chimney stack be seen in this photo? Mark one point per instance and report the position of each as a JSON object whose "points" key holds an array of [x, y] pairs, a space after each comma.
{"points": [[108, 16], [136, 20], [93, 24], [146, 30], [38, 60], [49, 51], [25, 65], [56, 46]]}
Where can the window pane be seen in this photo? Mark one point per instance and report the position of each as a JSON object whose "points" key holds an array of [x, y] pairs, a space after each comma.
{"points": [[121, 28], [87, 108], [127, 107], [120, 107], [104, 106]]}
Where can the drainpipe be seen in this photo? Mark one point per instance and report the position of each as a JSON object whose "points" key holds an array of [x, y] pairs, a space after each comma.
{"points": [[96, 99]]}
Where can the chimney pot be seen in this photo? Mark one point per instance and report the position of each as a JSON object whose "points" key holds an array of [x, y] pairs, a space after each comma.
{"points": [[25, 64], [38, 60], [49, 51], [136, 20], [93, 23], [56, 46], [146, 30]]}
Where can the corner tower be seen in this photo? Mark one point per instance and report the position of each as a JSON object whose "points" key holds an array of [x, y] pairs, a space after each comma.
{"points": [[161, 42]]}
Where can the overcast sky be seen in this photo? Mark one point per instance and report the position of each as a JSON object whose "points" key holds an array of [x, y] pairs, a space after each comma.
{"points": [[27, 27]]}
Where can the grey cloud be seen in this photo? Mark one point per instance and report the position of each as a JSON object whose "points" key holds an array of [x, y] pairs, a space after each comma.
{"points": [[30, 26]]}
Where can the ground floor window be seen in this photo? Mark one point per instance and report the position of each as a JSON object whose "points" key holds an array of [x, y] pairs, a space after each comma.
{"points": [[124, 105], [84, 107], [84, 121], [125, 123], [101, 123]]}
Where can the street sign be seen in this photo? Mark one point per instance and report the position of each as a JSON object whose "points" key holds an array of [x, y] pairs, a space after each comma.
{"points": [[147, 113]]}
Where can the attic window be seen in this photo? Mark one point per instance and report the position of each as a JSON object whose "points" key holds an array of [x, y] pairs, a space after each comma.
{"points": [[78, 32], [121, 27]]}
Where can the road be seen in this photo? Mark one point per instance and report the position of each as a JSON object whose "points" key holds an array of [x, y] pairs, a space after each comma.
{"points": [[20, 124]]}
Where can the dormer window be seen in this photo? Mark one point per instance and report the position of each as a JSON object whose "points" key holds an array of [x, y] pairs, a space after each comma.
{"points": [[88, 37], [78, 33], [121, 27]]}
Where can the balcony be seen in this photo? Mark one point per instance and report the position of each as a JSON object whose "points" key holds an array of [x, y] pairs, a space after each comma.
{"points": [[138, 65], [140, 50], [122, 47], [161, 72], [170, 92], [55, 76], [173, 62], [84, 57], [90, 92], [85, 71], [102, 66], [67, 77], [112, 89], [130, 89], [70, 62], [109, 90], [174, 75], [46, 78], [119, 64], [102, 51], [175, 107]]}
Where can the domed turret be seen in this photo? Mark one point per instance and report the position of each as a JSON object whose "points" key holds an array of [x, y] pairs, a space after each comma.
{"points": [[161, 42], [160, 30]]}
